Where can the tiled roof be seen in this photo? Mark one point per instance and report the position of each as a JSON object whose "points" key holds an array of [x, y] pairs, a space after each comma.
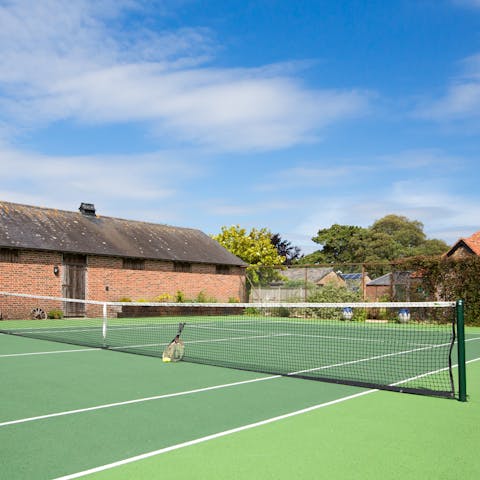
{"points": [[36, 228], [472, 242]]}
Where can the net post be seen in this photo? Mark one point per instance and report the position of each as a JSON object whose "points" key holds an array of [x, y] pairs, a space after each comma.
{"points": [[462, 373], [104, 324]]}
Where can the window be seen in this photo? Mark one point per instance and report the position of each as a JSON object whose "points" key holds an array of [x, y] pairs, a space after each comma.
{"points": [[182, 267], [8, 255], [222, 269], [133, 264], [74, 259]]}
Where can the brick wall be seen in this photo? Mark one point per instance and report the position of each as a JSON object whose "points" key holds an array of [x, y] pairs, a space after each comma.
{"points": [[107, 280], [32, 273], [374, 293]]}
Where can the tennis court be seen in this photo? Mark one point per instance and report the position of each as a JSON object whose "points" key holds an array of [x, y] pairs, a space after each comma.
{"points": [[72, 411]]}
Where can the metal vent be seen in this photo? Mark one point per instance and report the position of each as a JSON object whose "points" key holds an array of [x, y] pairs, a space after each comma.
{"points": [[87, 209]]}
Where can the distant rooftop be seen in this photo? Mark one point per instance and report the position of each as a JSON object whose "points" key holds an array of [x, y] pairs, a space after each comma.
{"points": [[313, 274], [351, 276], [472, 243], [386, 280]]}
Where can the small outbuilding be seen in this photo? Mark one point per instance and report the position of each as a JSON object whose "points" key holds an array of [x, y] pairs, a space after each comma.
{"points": [[84, 255], [465, 247]]}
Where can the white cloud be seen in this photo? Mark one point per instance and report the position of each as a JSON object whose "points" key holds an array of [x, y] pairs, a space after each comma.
{"points": [[461, 100], [445, 215], [62, 61], [462, 97], [59, 182]]}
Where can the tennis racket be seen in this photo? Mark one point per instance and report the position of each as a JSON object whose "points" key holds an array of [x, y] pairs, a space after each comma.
{"points": [[176, 348]]}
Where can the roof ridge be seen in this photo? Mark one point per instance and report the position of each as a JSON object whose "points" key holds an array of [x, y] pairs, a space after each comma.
{"points": [[74, 212]]}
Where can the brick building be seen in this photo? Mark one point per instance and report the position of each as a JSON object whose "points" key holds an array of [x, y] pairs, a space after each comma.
{"points": [[84, 255], [394, 286], [465, 247]]}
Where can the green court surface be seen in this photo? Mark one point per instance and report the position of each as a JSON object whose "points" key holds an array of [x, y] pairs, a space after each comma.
{"points": [[76, 412]]}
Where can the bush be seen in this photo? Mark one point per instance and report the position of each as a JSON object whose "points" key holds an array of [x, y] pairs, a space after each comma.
{"points": [[281, 312], [360, 315], [56, 313], [203, 298], [180, 297], [164, 297], [331, 293]]}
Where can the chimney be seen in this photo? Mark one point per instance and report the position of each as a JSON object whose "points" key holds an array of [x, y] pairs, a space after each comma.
{"points": [[87, 209]]}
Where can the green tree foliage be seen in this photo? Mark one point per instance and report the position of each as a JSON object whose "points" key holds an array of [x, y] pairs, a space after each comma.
{"points": [[337, 243], [285, 249], [448, 279], [254, 248], [391, 238]]}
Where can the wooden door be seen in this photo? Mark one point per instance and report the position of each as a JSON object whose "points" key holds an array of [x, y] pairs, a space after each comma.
{"points": [[74, 275]]}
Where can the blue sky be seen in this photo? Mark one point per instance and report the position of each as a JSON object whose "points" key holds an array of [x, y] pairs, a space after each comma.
{"points": [[289, 115]]}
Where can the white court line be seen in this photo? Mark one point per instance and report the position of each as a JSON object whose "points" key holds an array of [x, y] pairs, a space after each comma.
{"points": [[143, 345], [209, 340], [196, 441], [416, 377], [214, 436], [224, 433], [48, 353], [137, 400], [226, 339], [206, 438], [216, 387]]}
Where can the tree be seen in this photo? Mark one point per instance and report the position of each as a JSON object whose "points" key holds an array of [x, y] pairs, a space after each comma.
{"points": [[254, 248], [285, 249], [339, 245], [391, 238]]}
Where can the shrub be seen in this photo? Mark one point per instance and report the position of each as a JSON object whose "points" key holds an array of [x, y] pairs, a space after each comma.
{"points": [[164, 297], [359, 315], [203, 298], [180, 297], [56, 313], [281, 312], [331, 293]]}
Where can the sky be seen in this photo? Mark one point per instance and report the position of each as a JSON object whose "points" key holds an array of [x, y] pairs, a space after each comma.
{"points": [[289, 115]]}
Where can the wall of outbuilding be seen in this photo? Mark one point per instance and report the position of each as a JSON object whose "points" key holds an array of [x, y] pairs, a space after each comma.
{"points": [[32, 272]]}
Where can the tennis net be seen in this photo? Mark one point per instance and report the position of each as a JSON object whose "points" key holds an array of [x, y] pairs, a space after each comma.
{"points": [[406, 347]]}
